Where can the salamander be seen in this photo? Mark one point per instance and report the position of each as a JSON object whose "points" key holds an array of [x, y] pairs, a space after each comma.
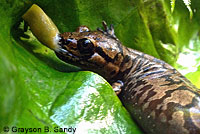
{"points": [[157, 96]]}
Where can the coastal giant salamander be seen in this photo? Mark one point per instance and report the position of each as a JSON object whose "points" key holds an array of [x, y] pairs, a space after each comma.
{"points": [[158, 97]]}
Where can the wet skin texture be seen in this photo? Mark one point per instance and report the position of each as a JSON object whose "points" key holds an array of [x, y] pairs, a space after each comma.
{"points": [[157, 96]]}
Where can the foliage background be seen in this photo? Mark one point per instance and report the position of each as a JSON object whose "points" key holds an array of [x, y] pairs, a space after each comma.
{"points": [[37, 89]]}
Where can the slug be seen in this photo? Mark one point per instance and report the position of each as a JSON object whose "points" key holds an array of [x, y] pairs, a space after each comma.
{"points": [[42, 26], [157, 96]]}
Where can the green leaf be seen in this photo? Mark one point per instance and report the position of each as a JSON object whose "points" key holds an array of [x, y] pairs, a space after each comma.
{"points": [[188, 40], [194, 77], [187, 4], [38, 90], [172, 5]]}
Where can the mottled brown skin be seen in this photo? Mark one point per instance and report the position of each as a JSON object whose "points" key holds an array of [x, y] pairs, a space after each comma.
{"points": [[157, 96]]}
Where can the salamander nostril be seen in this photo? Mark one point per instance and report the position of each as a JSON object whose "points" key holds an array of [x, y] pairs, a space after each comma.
{"points": [[65, 41]]}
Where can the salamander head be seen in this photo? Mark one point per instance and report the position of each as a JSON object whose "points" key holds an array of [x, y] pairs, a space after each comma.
{"points": [[97, 51]]}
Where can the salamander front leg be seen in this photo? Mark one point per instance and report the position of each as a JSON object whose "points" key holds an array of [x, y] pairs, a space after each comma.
{"points": [[117, 86], [109, 31]]}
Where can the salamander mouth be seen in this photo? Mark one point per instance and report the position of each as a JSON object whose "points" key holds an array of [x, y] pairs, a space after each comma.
{"points": [[66, 55]]}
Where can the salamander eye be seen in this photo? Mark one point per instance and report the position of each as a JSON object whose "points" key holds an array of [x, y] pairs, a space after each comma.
{"points": [[85, 46]]}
